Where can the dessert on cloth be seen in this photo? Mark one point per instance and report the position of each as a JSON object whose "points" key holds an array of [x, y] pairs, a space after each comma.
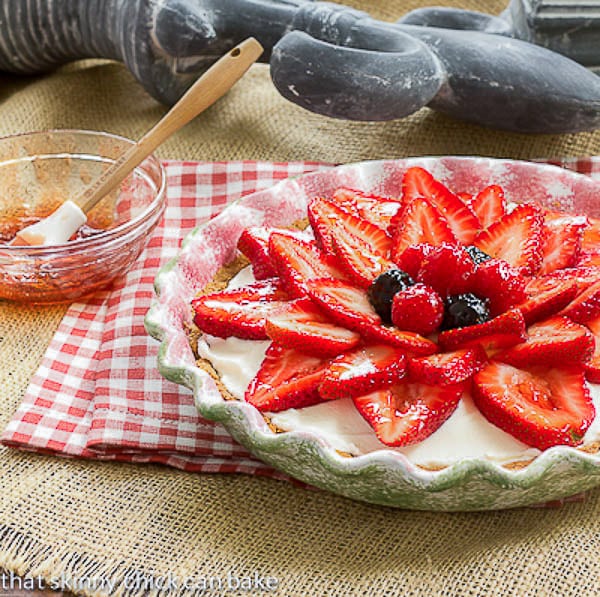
{"points": [[98, 393], [77, 516]]}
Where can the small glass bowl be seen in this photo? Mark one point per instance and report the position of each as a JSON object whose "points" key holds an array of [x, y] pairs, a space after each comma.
{"points": [[38, 171]]}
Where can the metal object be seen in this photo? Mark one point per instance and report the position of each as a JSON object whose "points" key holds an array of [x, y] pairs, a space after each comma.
{"points": [[326, 57], [571, 28]]}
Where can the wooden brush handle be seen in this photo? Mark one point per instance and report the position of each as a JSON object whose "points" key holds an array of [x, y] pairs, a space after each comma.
{"points": [[212, 85]]}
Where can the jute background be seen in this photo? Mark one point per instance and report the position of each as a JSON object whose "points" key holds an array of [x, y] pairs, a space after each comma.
{"points": [[86, 518]]}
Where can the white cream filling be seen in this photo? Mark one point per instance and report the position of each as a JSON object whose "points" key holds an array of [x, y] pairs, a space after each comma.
{"points": [[466, 434]]}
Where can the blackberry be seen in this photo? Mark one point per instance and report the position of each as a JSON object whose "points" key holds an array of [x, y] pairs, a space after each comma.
{"points": [[461, 310], [384, 287], [476, 254]]}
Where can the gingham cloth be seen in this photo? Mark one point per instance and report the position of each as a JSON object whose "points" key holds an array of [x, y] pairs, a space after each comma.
{"points": [[98, 394]]}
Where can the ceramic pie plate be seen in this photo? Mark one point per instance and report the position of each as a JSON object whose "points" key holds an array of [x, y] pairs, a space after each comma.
{"points": [[382, 477]]}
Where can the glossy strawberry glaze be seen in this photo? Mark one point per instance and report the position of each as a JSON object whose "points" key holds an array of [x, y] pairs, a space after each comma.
{"points": [[466, 434]]}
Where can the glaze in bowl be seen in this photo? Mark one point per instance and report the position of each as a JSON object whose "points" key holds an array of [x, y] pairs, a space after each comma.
{"points": [[384, 476], [38, 171]]}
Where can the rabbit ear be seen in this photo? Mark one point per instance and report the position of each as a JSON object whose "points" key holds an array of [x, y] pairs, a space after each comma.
{"points": [[356, 83]]}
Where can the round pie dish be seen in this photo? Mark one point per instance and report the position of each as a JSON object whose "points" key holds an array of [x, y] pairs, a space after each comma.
{"points": [[383, 476]]}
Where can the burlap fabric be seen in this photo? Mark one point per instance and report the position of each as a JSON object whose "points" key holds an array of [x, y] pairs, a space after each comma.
{"points": [[87, 519]]}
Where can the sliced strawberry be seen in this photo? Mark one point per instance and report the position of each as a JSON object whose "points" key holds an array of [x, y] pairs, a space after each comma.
{"points": [[358, 261], [561, 247], [504, 330], [553, 342], [286, 379], [560, 218], [540, 407], [417, 182], [447, 368], [448, 269], [379, 213], [374, 208], [349, 307], [582, 276], [302, 326], [346, 305], [362, 371], [592, 366], [347, 199], [515, 238], [412, 257], [254, 244], [465, 197], [418, 309], [588, 259], [489, 205], [499, 282], [408, 413], [419, 222], [547, 303], [325, 217], [591, 236], [240, 312], [585, 306], [411, 342], [297, 261]]}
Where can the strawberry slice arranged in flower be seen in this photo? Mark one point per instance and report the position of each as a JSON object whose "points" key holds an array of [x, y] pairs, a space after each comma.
{"points": [[301, 325], [254, 244], [584, 277], [374, 208], [447, 368], [355, 311], [502, 331], [417, 182], [585, 306], [362, 371], [488, 205], [502, 284], [541, 407], [553, 342], [419, 222], [297, 261], [407, 413], [350, 307], [287, 378], [357, 259], [547, 303], [561, 246], [239, 312], [448, 269], [515, 238], [326, 218], [344, 303], [592, 366]]}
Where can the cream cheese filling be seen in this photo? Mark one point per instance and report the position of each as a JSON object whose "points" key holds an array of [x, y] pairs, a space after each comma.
{"points": [[466, 434]]}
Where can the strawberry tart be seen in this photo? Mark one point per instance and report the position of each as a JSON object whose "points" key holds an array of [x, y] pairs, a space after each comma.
{"points": [[438, 323]]}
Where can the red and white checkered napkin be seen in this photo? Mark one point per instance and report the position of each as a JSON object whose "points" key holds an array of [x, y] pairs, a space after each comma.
{"points": [[98, 393]]}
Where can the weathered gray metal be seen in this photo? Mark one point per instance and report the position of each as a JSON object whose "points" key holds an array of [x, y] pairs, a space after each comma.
{"points": [[325, 57], [571, 28]]}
